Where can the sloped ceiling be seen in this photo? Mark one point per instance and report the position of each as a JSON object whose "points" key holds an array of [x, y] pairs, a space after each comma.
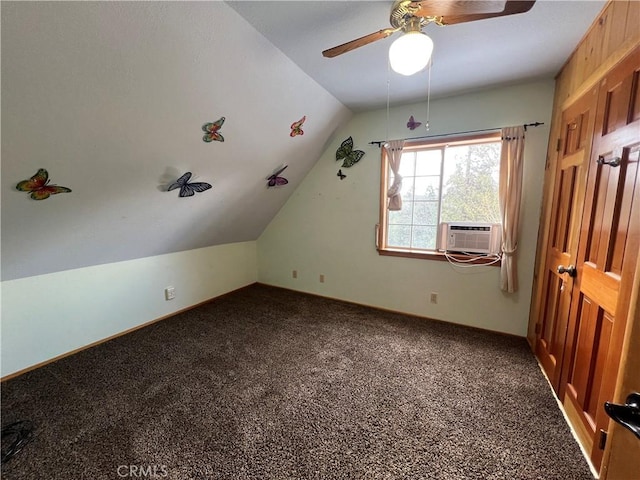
{"points": [[110, 99], [467, 57]]}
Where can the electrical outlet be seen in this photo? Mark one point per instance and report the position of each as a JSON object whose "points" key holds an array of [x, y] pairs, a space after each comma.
{"points": [[321, 278], [169, 293], [434, 297], [294, 273]]}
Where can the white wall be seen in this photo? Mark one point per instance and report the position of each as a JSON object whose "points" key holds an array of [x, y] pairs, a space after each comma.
{"points": [[48, 315], [327, 225]]}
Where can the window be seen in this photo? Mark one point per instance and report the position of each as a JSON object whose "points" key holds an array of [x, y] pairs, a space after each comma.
{"points": [[442, 181]]}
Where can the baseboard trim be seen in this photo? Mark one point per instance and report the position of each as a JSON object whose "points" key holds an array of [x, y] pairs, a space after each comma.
{"points": [[389, 310], [120, 334], [567, 419], [218, 297]]}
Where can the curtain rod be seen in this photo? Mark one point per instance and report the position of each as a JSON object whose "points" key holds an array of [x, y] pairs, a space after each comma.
{"points": [[535, 124]]}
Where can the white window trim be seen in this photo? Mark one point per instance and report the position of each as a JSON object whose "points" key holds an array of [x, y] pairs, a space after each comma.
{"points": [[381, 228]]}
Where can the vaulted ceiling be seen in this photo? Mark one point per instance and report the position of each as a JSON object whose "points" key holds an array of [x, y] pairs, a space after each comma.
{"points": [[467, 56], [110, 98]]}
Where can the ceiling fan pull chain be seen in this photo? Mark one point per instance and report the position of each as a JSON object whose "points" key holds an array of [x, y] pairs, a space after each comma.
{"points": [[426, 124], [388, 94]]}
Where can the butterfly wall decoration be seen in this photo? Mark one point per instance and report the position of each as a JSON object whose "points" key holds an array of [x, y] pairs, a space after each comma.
{"points": [[412, 124], [276, 180], [39, 187], [188, 189], [296, 127], [212, 131], [341, 175], [347, 154]]}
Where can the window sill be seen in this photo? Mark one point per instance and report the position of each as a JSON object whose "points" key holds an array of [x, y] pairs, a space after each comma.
{"points": [[438, 256]]}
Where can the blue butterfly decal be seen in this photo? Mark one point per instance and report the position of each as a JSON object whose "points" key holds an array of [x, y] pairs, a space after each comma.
{"points": [[188, 189]]}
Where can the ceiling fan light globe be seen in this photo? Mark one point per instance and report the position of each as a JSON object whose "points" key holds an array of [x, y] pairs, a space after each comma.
{"points": [[410, 53]]}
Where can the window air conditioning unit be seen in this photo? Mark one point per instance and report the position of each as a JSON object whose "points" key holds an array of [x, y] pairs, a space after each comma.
{"points": [[470, 237]]}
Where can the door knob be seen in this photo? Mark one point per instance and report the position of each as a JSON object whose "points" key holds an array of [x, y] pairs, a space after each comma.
{"points": [[571, 270], [627, 415], [614, 162]]}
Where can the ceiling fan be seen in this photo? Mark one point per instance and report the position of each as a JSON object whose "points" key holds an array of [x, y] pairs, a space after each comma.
{"points": [[410, 16]]}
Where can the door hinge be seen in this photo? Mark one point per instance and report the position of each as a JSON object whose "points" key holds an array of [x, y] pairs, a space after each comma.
{"points": [[603, 439], [538, 328], [558, 145]]}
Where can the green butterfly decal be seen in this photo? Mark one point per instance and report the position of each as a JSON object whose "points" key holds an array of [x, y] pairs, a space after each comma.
{"points": [[348, 154]]}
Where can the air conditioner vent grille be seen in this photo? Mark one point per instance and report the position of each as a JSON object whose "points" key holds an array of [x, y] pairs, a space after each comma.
{"points": [[470, 237]]}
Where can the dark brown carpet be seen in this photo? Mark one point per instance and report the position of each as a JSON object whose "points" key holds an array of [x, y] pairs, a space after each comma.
{"points": [[268, 383]]}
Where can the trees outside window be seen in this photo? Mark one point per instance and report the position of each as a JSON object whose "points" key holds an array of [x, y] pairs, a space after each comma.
{"points": [[453, 181]]}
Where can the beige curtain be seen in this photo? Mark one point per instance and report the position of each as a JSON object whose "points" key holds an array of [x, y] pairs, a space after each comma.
{"points": [[510, 191], [394, 154]]}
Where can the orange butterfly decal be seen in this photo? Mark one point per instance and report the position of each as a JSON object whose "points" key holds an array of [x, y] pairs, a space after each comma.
{"points": [[296, 127], [38, 186], [212, 131]]}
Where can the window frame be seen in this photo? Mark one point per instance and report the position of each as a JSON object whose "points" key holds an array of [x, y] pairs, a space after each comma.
{"points": [[382, 226]]}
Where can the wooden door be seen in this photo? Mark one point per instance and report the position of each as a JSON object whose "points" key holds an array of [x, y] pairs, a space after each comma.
{"points": [[607, 256], [576, 135], [622, 452]]}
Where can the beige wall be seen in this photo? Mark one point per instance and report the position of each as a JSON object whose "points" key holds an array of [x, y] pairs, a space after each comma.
{"points": [[327, 226], [49, 315]]}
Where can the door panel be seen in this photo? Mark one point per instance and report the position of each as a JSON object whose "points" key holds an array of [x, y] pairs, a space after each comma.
{"points": [[578, 122], [606, 257], [622, 453]]}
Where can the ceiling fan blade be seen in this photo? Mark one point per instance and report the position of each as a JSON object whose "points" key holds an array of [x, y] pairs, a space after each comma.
{"points": [[358, 42], [443, 8], [511, 7]]}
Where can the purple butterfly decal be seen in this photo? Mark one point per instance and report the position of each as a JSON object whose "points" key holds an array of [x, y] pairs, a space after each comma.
{"points": [[412, 124], [276, 180]]}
